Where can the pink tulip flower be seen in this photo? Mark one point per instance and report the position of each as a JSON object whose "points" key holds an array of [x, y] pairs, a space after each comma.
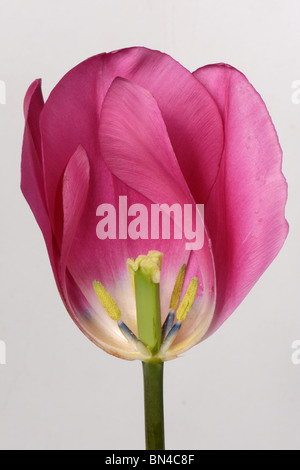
{"points": [[136, 125]]}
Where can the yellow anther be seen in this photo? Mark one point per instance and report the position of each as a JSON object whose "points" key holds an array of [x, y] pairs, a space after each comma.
{"points": [[149, 264], [178, 288], [133, 284], [107, 302], [188, 300]]}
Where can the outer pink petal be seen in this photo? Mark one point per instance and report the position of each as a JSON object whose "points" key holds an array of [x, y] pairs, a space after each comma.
{"points": [[31, 167], [245, 211], [32, 180]]}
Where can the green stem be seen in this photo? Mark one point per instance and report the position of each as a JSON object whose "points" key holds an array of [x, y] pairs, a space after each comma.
{"points": [[154, 406]]}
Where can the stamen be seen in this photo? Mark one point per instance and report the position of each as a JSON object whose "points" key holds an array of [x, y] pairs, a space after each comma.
{"points": [[171, 337], [178, 288], [133, 284], [166, 328], [170, 332], [114, 313], [175, 297], [129, 335], [188, 300], [133, 340], [107, 301]]}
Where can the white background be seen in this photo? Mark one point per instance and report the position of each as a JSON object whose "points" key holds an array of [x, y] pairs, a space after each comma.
{"points": [[237, 390]]}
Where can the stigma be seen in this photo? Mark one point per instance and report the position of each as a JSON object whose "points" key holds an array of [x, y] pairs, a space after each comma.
{"points": [[150, 265]]}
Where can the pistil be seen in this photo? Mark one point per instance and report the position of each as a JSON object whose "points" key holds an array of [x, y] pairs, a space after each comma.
{"points": [[146, 271]]}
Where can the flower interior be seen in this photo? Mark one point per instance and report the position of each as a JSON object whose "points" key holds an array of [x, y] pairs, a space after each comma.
{"points": [[154, 339]]}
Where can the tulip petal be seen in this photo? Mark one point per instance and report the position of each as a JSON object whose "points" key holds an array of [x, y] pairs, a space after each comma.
{"points": [[136, 147], [74, 196], [245, 210], [32, 172], [190, 114], [32, 180]]}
